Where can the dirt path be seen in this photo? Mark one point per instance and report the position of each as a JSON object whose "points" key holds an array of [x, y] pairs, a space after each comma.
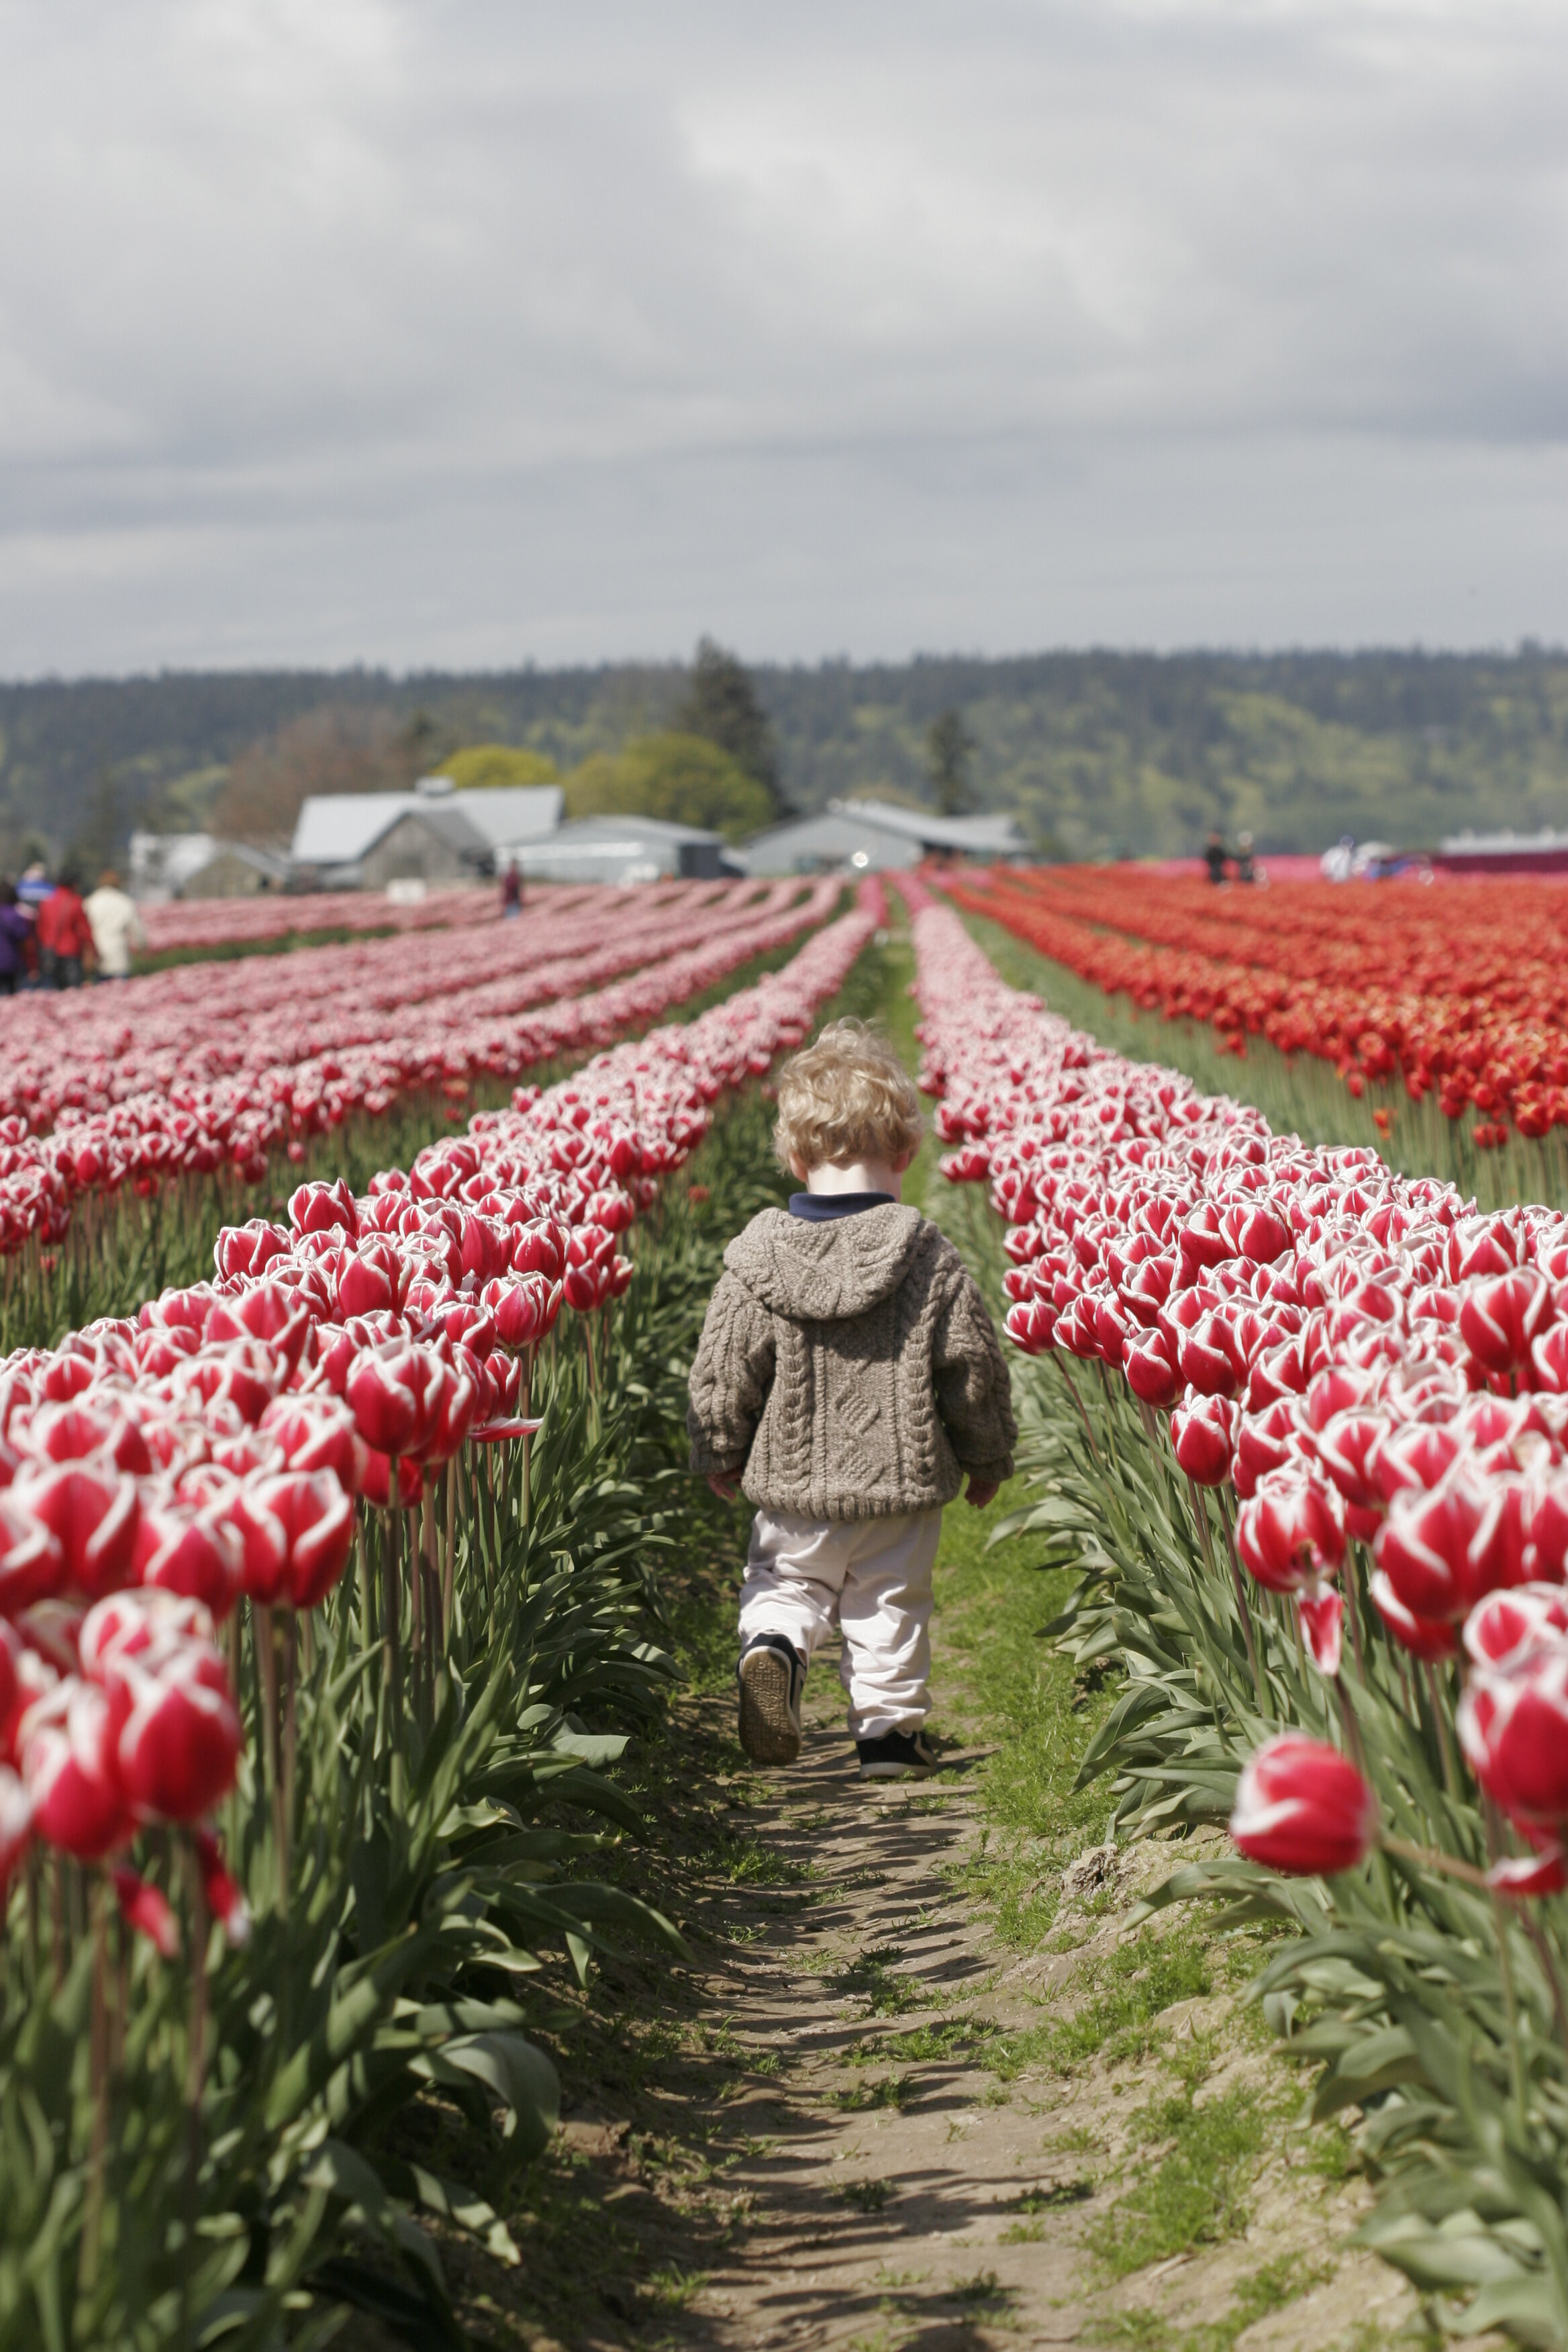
{"points": [[877, 2126]]}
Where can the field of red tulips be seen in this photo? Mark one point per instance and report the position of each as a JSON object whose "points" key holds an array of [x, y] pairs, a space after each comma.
{"points": [[305, 1569], [208, 1079], [1456, 992], [1305, 1424]]}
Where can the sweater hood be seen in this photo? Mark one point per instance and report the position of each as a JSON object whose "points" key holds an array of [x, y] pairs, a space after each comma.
{"points": [[821, 1274]]}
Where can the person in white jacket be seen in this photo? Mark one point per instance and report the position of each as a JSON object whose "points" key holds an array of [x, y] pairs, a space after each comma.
{"points": [[116, 927]]}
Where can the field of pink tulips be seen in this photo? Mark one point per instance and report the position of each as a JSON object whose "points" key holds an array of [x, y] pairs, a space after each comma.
{"points": [[305, 1569], [194, 1083], [1303, 1423], [206, 923]]}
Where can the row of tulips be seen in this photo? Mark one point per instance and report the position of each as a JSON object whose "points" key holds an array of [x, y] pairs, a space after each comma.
{"points": [[206, 923], [1283, 1392], [208, 1072], [1456, 993], [184, 1493]]}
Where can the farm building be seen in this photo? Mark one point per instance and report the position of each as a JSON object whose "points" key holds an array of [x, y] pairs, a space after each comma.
{"points": [[874, 835], [346, 841]]}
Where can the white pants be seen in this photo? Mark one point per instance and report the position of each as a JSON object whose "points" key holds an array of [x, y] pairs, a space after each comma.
{"points": [[871, 1576]]}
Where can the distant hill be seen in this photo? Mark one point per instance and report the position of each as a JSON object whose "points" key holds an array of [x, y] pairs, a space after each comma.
{"points": [[1099, 753]]}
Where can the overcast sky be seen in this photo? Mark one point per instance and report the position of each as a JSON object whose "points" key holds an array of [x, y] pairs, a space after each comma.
{"points": [[471, 332]]}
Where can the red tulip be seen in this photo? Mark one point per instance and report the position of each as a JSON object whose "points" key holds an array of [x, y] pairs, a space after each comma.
{"points": [[189, 1548], [1513, 1727], [242, 1251], [68, 1764], [389, 1391], [92, 1509], [1290, 1534], [1503, 1628], [317, 1208], [1203, 1433], [177, 1732], [1500, 1318], [318, 1434], [1424, 1637], [32, 1558], [524, 1308], [15, 1823], [1424, 1546], [145, 1909], [1148, 1362], [1302, 1808], [224, 1898]]}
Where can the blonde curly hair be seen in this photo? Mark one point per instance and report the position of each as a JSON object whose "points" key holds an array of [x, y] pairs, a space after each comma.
{"points": [[845, 1097]]}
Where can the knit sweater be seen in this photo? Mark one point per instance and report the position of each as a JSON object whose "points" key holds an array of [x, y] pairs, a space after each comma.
{"points": [[849, 1369]]}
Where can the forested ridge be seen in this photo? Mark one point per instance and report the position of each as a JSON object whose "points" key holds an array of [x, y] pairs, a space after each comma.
{"points": [[1099, 753]]}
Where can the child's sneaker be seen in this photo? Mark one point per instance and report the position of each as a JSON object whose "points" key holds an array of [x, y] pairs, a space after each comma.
{"points": [[771, 1674], [895, 1753]]}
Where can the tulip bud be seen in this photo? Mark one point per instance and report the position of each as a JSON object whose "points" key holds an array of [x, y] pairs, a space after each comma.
{"points": [[1302, 1808], [1513, 1727], [32, 1558], [224, 1898], [177, 1732], [143, 1908], [68, 1764], [1203, 1433], [92, 1509], [317, 1208]]}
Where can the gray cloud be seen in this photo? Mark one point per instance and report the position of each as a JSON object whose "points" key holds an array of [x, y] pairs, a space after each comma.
{"points": [[467, 330]]}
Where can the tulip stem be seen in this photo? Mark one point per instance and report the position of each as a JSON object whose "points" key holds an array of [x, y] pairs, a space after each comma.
{"points": [[1243, 1608], [1072, 1392], [1430, 1858], [1446, 1746], [267, 1661], [449, 1563], [98, 2074], [196, 2066]]}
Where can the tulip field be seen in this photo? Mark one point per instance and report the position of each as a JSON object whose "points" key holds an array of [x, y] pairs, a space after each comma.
{"points": [[1303, 1423], [338, 1434], [206, 923], [1451, 997], [306, 1569], [195, 1084]]}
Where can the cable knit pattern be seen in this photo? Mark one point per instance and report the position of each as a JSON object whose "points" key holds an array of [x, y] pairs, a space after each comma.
{"points": [[850, 1368]]}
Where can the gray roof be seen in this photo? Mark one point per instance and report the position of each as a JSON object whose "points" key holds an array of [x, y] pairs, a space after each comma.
{"points": [[339, 828], [588, 829], [836, 838], [976, 836], [505, 813]]}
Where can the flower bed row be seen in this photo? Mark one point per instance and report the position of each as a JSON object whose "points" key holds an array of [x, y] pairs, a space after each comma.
{"points": [[1371, 1382], [203, 1071], [1458, 994], [181, 1648], [275, 915]]}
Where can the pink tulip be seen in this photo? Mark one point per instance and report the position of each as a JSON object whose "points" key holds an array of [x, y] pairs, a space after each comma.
{"points": [[1302, 1808], [317, 1208], [189, 1548], [1424, 1637]]}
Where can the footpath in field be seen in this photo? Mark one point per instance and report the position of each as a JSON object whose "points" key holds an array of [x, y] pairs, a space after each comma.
{"points": [[927, 2083]]}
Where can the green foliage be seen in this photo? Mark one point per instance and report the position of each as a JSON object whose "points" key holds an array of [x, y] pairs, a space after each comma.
{"points": [[949, 750], [1194, 2193], [478, 767], [721, 705], [1100, 752], [679, 778]]}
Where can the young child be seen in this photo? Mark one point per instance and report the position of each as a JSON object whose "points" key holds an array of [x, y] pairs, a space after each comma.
{"points": [[848, 1377]]}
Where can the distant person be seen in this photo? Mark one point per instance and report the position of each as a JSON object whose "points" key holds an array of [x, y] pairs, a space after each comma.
{"points": [[1217, 856], [15, 940], [510, 892], [65, 935], [1244, 866], [115, 925], [35, 886]]}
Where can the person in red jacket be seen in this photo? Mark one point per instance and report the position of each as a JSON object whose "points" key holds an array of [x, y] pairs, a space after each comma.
{"points": [[65, 935]]}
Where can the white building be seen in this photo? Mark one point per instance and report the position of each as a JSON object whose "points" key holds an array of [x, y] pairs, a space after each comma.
{"points": [[621, 849], [870, 836]]}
